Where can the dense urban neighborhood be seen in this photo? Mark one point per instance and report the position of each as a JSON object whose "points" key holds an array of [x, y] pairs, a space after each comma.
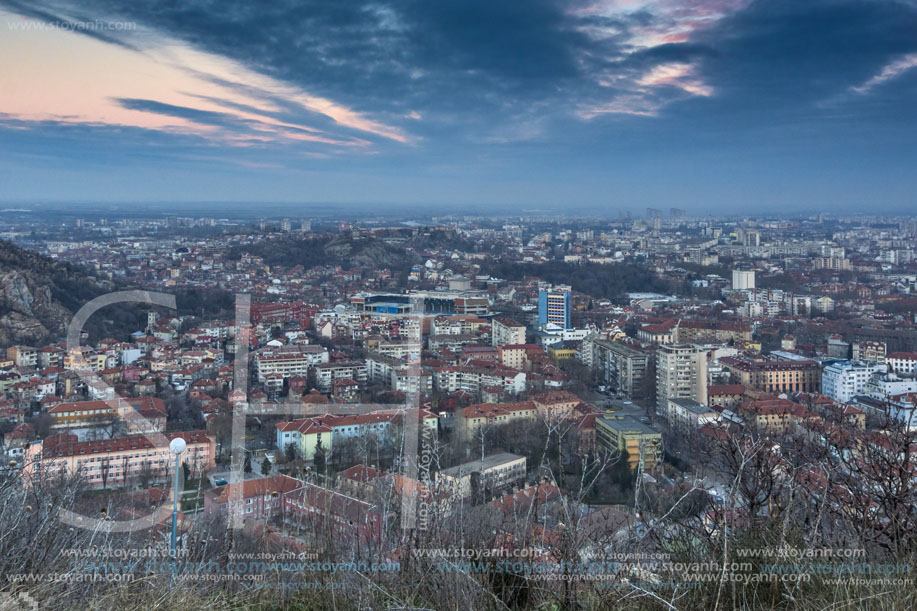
{"points": [[553, 392]]}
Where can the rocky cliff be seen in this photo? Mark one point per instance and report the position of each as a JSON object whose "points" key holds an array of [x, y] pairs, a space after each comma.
{"points": [[38, 295]]}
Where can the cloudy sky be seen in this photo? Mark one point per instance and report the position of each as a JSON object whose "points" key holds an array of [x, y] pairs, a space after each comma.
{"points": [[701, 104]]}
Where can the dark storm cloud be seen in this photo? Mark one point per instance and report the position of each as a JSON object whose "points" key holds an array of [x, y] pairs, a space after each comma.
{"points": [[781, 55]]}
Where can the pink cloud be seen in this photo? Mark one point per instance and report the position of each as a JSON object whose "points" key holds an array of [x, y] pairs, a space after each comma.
{"points": [[56, 75]]}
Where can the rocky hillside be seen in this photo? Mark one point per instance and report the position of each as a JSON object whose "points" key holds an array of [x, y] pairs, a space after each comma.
{"points": [[39, 295]]}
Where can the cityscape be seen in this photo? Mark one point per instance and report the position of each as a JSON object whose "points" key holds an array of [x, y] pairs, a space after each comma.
{"points": [[556, 306], [368, 392]]}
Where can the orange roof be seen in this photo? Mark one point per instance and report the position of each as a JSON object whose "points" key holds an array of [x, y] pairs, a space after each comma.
{"points": [[64, 444], [489, 410], [140, 403], [255, 487], [725, 389], [360, 473]]}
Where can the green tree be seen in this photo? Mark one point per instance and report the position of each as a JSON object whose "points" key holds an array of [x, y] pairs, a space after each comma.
{"points": [[620, 472], [247, 465], [319, 459], [265, 466]]}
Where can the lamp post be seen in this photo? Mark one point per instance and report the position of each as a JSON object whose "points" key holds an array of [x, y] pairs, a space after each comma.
{"points": [[177, 446]]}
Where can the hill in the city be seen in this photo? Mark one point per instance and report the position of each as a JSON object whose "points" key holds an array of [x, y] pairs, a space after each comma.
{"points": [[38, 295]]}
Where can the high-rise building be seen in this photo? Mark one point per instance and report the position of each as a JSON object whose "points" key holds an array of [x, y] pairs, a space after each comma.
{"points": [[743, 280], [554, 306], [286, 225], [681, 373], [306, 226]]}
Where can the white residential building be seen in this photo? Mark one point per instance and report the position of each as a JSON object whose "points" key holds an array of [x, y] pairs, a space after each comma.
{"points": [[885, 386], [844, 380], [289, 361], [505, 331], [902, 362], [681, 373]]}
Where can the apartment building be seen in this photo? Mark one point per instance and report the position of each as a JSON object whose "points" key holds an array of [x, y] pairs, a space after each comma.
{"points": [[453, 343], [643, 443], [24, 357], [902, 363], [516, 356], [681, 373], [472, 419], [884, 386], [556, 404], [696, 331], [256, 499], [83, 357], [397, 374], [395, 349], [139, 415], [774, 415], [689, 415], [114, 461], [312, 508], [725, 395], [774, 376], [476, 377], [623, 367], [505, 331], [844, 380], [288, 361], [306, 433], [743, 280], [51, 356], [458, 324], [327, 373], [869, 351], [660, 333]]}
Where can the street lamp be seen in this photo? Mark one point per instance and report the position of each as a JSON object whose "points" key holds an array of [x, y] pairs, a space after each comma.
{"points": [[177, 446]]}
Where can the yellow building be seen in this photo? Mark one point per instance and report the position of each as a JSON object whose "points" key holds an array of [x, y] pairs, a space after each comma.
{"points": [[476, 417], [642, 442], [774, 376], [555, 404], [559, 353]]}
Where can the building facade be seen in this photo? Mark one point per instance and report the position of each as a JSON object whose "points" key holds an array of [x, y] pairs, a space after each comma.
{"points": [[554, 306], [681, 373]]}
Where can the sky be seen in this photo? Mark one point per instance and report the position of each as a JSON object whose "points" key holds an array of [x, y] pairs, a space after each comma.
{"points": [[705, 105]]}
